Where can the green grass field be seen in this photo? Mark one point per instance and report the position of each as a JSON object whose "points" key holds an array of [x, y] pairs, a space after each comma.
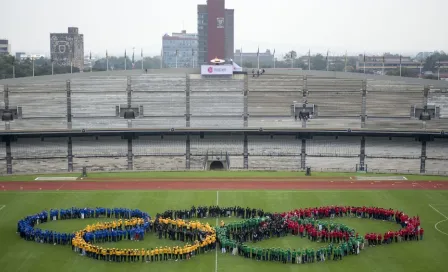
{"points": [[217, 174], [427, 255]]}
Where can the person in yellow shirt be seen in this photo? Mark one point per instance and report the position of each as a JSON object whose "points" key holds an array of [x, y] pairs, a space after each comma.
{"points": [[156, 253], [222, 224], [161, 253], [176, 253], [118, 255], [165, 253], [152, 255], [170, 253], [181, 253], [148, 255]]}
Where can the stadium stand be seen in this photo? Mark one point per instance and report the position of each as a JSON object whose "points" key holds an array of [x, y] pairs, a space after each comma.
{"points": [[165, 100], [155, 153]]}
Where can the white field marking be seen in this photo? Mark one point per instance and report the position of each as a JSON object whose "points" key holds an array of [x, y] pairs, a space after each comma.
{"points": [[436, 224], [216, 247], [405, 178], [60, 187], [2, 207], [55, 178]]}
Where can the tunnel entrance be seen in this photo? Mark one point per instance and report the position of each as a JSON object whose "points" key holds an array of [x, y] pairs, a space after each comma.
{"points": [[216, 166]]}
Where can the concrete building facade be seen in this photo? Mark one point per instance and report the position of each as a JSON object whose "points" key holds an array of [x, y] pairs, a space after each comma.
{"points": [[5, 47], [185, 45], [215, 31], [266, 58], [67, 48], [391, 62]]}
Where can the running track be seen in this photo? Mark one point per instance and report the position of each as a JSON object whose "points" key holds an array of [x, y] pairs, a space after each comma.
{"points": [[221, 184]]}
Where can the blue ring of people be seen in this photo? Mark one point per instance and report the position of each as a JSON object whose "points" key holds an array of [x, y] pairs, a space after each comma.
{"points": [[317, 224]]}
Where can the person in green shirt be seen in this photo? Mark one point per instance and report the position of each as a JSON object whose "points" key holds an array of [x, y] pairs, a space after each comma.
{"points": [[259, 253], [335, 254], [328, 251], [293, 256]]}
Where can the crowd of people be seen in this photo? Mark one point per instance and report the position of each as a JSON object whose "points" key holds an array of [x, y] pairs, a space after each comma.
{"points": [[213, 211], [27, 229], [238, 238]]}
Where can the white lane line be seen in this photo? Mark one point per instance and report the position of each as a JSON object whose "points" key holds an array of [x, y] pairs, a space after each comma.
{"points": [[405, 178], [436, 224], [216, 247], [60, 187]]}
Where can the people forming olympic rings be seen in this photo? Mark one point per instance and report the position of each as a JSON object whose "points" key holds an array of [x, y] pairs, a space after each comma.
{"points": [[237, 238]]}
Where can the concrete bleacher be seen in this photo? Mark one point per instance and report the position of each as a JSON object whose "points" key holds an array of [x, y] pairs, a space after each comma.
{"points": [[232, 145], [335, 97], [280, 152], [160, 95], [395, 153], [44, 104], [273, 95], [275, 146], [219, 102], [155, 153], [389, 99], [37, 156], [439, 97], [216, 97], [104, 154], [97, 97], [156, 146], [436, 152], [159, 122]]}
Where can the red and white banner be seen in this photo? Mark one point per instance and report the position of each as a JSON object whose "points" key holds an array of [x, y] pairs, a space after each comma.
{"points": [[216, 69]]}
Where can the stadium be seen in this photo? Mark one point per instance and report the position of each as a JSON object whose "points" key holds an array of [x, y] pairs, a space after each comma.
{"points": [[166, 140]]}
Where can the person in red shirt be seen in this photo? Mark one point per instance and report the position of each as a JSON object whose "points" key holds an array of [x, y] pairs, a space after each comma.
{"points": [[379, 241], [421, 233]]}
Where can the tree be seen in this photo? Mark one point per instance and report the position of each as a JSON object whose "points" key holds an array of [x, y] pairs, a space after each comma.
{"points": [[290, 57], [431, 62], [318, 62], [405, 72], [24, 68]]}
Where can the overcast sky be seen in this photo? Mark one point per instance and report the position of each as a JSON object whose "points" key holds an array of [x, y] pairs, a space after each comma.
{"points": [[397, 26]]}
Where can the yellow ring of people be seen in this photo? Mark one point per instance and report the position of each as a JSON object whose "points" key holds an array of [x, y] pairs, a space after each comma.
{"points": [[80, 245]]}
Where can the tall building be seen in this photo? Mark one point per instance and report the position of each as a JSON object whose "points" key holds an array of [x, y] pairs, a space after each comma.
{"points": [[67, 48], [215, 31], [185, 45], [5, 47], [20, 55]]}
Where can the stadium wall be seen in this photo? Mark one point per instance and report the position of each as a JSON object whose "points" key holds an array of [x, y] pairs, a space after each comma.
{"points": [[165, 152]]}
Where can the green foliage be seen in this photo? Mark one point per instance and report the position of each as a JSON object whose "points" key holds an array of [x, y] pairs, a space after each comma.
{"points": [[24, 68], [405, 72], [119, 63], [431, 63]]}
